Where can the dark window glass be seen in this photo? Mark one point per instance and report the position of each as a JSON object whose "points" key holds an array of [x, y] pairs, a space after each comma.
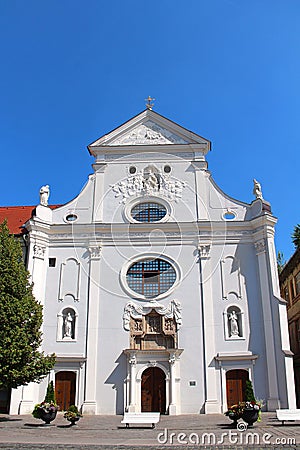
{"points": [[132, 169], [52, 262], [71, 217], [297, 283], [151, 277], [148, 212]]}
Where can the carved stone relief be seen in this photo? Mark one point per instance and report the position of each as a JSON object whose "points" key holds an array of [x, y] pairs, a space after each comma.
{"points": [[136, 312], [204, 250], [149, 184], [149, 133], [260, 246], [39, 251], [95, 251], [153, 331]]}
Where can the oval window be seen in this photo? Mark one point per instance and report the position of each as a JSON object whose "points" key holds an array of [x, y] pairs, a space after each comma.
{"points": [[132, 170], [229, 215], [151, 277], [148, 212], [71, 217]]}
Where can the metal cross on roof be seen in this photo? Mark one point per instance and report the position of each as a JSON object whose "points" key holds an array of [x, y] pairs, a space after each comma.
{"points": [[149, 105]]}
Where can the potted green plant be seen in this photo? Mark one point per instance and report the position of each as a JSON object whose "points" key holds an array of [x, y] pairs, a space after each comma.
{"points": [[72, 415], [47, 409], [252, 407], [249, 410], [235, 412]]}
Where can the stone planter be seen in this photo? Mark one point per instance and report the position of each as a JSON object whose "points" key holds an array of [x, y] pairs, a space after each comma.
{"points": [[47, 416], [73, 420], [234, 417], [250, 415]]}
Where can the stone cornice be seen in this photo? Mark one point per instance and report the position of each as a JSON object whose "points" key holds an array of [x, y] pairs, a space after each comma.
{"points": [[169, 232]]}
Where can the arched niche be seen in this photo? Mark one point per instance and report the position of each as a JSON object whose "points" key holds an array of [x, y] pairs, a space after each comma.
{"points": [[67, 324], [234, 323]]}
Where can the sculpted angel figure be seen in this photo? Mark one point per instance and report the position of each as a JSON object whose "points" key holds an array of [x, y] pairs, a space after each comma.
{"points": [[257, 189], [44, 195]]}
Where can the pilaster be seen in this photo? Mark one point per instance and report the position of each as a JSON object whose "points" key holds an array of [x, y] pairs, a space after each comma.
{"points": [[98, 192], [37, 265], [212, 405], [89, 404], [266, 297], [201, 190], [132, 386]]}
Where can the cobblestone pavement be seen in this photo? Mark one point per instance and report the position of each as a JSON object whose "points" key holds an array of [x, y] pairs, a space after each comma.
{"points": [[172, 432]]}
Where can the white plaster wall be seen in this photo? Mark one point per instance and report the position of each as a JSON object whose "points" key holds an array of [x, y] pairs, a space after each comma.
{"points": [[53, 305], [201, 200]]}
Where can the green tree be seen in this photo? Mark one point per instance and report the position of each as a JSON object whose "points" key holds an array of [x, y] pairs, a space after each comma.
{"points": [[50, 394], [296, 236], [280, 262], [21, 360], [249, 394]]}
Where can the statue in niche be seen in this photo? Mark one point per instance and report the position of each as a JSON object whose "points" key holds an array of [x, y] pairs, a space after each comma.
{"points": [[257, 189], [169, 325], [138, 325], [44, 195], [233, 321], [150, 181], [154, 324], [68, 325]]}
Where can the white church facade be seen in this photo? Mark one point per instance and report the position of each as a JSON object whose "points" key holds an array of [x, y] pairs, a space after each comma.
{"points": [[160, 292]]}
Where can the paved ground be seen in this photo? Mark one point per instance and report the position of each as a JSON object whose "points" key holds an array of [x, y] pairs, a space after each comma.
{"points": [[107, 432]]}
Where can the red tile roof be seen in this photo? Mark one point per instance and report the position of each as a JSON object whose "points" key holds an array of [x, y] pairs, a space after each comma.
{"points": [[16, 216]]}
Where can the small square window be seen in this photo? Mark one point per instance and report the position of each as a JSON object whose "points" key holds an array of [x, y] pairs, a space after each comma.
{"points": [[52, 262]]}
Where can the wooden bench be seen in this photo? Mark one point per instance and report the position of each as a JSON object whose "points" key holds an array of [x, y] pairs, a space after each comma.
{"points": [[144, 417], [288, 414]]}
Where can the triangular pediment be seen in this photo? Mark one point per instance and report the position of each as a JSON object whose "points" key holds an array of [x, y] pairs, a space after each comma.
{"points": [[149, 133], [148, 128]]}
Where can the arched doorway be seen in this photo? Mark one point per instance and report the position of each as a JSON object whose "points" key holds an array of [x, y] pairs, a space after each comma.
{"points": [[65, 389], [153, 390], [236, 386]]}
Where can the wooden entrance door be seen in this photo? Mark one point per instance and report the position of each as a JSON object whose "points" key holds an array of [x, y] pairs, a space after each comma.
{"points": [[65, 387], [235, 386], [153, 390]]}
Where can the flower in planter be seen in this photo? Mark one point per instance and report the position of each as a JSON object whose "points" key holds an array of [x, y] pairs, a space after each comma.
{"points": [[242, 410], [235, 411], [72, 415], [44, 407], [47, 409]]}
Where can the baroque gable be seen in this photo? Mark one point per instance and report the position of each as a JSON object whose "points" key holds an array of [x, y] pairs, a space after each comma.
{"points": [[149, 129]]}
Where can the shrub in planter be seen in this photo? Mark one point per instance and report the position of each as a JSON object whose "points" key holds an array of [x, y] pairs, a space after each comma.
{"points": [[47, 409], [72, 415]]}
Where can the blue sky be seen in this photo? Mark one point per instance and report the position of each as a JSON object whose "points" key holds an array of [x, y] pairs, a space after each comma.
{"points": [[226, 69]]}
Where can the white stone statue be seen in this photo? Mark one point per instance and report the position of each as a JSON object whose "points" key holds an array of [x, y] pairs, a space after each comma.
{"points": [[68, 326], [233, 320], [257, 189], [150, 181], [44, 195]]}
